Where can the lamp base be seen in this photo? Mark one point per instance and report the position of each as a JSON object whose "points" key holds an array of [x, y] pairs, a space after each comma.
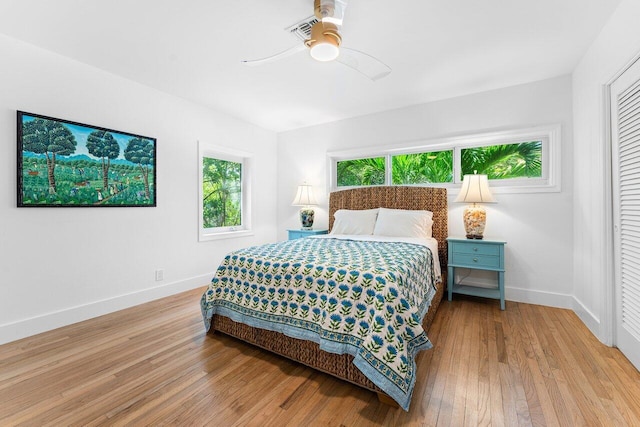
{"points": [[306, 218], [475, 219]]}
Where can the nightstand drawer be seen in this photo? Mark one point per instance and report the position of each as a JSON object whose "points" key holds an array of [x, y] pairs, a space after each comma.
{"points": [[299, 234], [475, 248], [476, 261]]}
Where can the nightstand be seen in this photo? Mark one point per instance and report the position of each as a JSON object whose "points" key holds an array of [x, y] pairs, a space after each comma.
{"points": [[477, 255], [298, 234]]}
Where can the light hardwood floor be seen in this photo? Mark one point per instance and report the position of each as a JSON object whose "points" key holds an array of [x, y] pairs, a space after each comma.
{"points": [[154, 365]]}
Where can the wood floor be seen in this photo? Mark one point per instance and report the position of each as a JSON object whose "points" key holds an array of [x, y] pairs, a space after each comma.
{"points": [[154, 365]]}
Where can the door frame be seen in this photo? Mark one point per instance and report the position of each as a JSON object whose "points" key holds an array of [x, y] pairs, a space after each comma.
{"points": [[608, 322]]}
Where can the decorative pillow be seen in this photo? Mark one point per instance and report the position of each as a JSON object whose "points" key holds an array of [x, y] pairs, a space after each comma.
{"points": [[354, 221], [403, 223]]}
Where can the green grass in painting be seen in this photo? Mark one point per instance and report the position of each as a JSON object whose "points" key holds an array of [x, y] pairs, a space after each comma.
{"points": [[80, 182]]}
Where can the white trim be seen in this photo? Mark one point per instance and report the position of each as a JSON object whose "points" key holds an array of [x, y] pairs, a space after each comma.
{"points": [[231, 155], [529, 296], [588, 318], [220, 235], [607, 326], [48, 321], [550, 135]]}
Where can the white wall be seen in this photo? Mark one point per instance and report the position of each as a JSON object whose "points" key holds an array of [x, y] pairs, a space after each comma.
{"points": [[62, 265], [617, 44], [537, 227]]}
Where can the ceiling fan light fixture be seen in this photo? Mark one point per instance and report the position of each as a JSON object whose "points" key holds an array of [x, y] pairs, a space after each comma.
{"points": [[324, 52], [324, 44]]}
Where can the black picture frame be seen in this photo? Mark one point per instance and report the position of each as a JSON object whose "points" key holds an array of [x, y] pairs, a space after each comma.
{"points": [[62, 163]]}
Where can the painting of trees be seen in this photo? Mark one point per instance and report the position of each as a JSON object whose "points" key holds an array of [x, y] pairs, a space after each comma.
{"points": [[65, 163], [103, 145], [141, 152], [51, 138]]}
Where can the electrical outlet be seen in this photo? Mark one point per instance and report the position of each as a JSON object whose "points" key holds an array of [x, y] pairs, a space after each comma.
{"points": [[159, 275]]}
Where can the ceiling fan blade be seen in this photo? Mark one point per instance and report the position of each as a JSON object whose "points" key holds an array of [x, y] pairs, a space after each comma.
{"points": [[363, 63], [292, 50]]}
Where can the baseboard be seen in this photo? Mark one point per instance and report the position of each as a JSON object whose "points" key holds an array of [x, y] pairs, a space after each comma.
{"points": [[590, 321], [559, 301], [549, 299], [49, 321]]}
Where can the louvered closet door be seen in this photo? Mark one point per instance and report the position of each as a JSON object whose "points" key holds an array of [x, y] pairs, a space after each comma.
{"points": [[625, 110]]}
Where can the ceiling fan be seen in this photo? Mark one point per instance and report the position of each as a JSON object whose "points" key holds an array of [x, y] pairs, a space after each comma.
{"points": [[321, 36]]}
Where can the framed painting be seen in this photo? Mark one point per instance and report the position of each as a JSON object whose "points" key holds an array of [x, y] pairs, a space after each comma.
{"points": [[68, 164]]}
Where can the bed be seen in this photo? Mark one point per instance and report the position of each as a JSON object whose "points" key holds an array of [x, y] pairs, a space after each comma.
{"points": [[271, 308]]}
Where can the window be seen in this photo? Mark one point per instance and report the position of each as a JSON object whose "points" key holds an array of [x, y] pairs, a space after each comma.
{"points": [[422, 168], [360, 172], [515, 161], [221, 193], [505, 161], [224, 193]]}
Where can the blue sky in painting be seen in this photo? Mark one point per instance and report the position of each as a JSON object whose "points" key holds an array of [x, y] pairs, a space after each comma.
{"points": [[82, 132]]}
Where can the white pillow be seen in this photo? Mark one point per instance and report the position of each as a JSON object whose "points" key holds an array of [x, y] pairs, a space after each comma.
{"points": [[354, 221], [404, 223]]}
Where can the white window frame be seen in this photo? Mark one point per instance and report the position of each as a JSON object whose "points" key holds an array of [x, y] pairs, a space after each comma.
{"points": [[549, 135], [231, 155]]}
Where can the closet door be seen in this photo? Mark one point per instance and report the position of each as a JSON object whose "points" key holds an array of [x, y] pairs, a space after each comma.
{"points": [[625, 125]]}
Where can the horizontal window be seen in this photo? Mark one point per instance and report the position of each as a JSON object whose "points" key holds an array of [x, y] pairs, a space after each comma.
{"points": [[505, 161], [515, 161], [359, 172], [422, 168]]}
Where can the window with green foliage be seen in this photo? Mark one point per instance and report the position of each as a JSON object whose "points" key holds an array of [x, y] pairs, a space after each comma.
{"points": [[361, 172], [224, 193], [526, 160], [422, 168], [507, 161], [221, 193]]}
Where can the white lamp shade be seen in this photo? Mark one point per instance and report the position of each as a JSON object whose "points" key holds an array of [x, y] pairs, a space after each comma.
{"points": [[304, 196], [475, 189]]}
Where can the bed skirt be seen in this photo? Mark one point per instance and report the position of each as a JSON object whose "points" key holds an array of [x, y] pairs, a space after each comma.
{"points": [[308, 352]]}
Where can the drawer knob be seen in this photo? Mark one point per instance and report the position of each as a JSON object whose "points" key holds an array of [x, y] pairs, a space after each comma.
{"points": [[475, 249], [475, 260]]}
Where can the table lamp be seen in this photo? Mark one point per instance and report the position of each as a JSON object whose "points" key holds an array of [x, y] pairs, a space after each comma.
{"points": [[475, 189], [304, 197]]}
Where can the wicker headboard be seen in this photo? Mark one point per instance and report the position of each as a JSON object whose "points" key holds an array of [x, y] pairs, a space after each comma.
{"points": [[397, 197]]}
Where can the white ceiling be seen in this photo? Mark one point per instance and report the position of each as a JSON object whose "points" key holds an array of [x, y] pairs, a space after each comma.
{"points": [[192, 48]]}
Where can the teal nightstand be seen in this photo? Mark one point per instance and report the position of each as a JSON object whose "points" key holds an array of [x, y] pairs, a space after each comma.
{"points": [[478, 255], [298, 234]]}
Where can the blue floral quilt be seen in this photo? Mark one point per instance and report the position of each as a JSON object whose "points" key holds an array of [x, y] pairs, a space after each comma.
{"points": [[364, 298]]}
